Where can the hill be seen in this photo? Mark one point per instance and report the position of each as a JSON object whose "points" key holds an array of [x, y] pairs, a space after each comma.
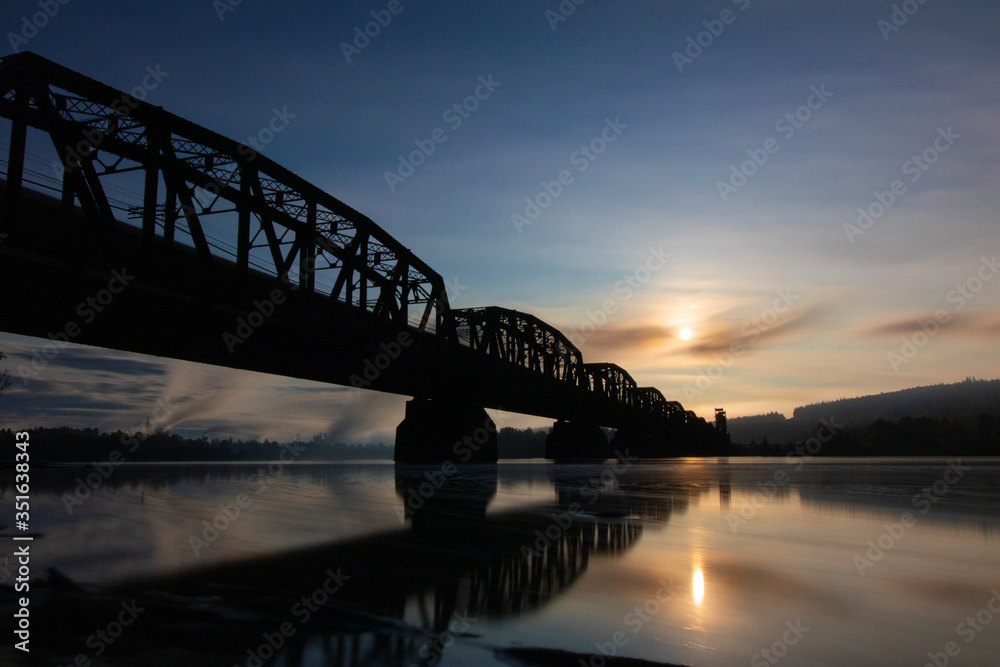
{"points": [[935, 401], [936, 419]]}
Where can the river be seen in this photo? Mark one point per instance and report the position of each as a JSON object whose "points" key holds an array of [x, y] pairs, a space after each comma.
{"points": [[682, 561]]}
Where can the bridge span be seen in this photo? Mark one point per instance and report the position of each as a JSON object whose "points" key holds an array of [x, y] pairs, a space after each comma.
{"points": [[210, 252]]}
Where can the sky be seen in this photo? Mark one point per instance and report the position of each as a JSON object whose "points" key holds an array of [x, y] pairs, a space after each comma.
{"points": [[799, 185]]}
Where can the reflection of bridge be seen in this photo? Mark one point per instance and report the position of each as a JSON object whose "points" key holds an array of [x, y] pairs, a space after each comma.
{"points": [[229, 259], [406, 595]]}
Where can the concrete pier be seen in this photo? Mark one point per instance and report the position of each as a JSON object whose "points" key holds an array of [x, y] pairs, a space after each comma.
{"points": [[576, 440], [437, 431]]}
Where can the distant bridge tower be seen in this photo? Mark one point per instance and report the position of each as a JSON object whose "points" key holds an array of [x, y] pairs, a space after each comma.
{"points": [[720, 421]]}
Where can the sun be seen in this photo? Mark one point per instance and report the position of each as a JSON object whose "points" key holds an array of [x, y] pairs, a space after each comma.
{"points": [[685, 334]]}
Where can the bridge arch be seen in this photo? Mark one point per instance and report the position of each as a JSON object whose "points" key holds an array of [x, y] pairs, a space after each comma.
{"points": [[653, 403], [610, 381], [519, 339], [183, 184]]}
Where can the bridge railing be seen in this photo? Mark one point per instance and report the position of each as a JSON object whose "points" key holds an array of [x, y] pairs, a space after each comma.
{"points": [[191, 186]]}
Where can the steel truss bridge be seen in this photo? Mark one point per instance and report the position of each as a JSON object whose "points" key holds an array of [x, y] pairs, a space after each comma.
{"points": [[232, 260]]}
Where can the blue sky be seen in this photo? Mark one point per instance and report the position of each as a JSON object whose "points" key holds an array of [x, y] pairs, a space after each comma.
{"points": [[848, 301]]}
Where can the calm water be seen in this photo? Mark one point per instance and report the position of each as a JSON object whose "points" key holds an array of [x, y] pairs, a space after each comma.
{"points": [[695, 562]]}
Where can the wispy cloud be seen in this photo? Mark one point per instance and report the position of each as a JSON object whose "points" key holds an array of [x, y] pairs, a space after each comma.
{"points": [[757, 333], [614, 341], [983, 324]]}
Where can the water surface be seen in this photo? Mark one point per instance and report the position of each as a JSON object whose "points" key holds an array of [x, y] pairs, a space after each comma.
{"points": [[695, 562]]}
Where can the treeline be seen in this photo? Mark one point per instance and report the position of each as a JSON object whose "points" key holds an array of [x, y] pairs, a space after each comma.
{"points": [[516, 443], [972, 435], [89, 445], [70, 445], [772, 425]]}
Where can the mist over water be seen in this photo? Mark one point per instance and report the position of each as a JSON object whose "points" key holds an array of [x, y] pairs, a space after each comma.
{"points": [[697, 562]]}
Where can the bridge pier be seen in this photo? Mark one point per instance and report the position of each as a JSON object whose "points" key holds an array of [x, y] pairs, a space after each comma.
{"points": [[644, 441], [576, 439], [439, 431]]}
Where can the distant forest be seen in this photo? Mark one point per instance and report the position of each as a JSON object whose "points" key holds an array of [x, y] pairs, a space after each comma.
{"points": [[70, 445], [958, 418]]}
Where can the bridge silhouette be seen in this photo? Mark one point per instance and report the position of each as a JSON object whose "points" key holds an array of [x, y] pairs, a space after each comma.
{"points": [[151, 234]]}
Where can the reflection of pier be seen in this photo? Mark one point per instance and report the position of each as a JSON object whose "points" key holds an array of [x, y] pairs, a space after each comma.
{"points": [[405, 595], [627, 493], [512, 563]]}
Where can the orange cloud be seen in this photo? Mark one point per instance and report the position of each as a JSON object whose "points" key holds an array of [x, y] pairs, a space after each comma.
{"points": [[608, 341], [756, 331]]}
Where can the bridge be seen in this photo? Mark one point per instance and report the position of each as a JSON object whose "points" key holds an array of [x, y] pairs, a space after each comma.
{"points": [[149, 233]]}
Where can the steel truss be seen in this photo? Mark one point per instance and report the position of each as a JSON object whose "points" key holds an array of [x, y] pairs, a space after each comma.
{"points": [[283, 225], [519, 339]]}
